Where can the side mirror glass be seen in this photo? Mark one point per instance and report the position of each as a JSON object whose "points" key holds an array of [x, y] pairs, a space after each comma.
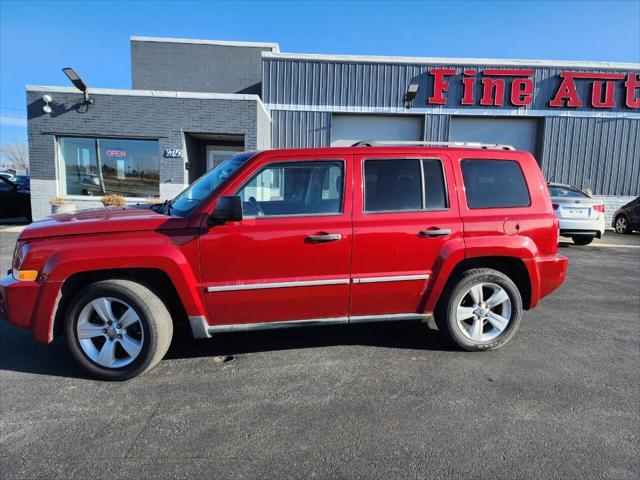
{"points": [[17, 186], [228, 209]]}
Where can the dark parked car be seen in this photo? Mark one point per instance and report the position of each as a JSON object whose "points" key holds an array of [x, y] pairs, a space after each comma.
{"points": [[627, 218], [15, 201]]}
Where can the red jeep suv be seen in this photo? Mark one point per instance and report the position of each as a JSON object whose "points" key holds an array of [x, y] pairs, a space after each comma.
{"points": [[463, 233]]}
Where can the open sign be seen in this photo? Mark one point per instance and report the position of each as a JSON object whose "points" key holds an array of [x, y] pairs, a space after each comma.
{"points": [[116, 153]]}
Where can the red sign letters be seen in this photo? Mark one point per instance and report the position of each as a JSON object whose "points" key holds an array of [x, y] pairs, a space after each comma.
{"points": [[493, 88]]}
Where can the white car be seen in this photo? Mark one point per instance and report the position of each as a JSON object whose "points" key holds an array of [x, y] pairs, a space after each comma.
{"points": [[581, 217]]}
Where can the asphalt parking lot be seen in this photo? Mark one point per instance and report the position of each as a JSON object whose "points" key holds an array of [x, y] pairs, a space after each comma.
{"points": [[562, 400]]}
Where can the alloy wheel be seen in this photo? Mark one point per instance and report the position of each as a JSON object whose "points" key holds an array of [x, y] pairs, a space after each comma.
{"points": [[110, 332], [484, 312], [621, 225]]}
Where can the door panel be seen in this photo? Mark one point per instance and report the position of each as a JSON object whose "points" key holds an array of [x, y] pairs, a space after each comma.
{"points": [[265, 268], [392, 260]]}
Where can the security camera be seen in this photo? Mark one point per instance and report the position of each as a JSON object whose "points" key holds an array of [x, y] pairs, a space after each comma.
{"points": [[47, 99]]}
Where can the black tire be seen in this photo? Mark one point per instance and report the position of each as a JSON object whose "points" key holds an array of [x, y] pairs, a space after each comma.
{"points": [[447, 307], [582, 239], [621, 225], [155, 322]]}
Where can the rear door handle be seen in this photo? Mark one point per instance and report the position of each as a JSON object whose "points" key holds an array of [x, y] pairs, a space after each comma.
{"points": [[440, 232], [324, 237]]}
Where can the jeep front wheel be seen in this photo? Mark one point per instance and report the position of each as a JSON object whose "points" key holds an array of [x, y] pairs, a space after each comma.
{"points": [[117, 329], [481, 311]]}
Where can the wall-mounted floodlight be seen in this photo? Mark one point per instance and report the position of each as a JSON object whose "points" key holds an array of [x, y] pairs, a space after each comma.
{"points": [[410, 95], [47, 99], [78, 83]]}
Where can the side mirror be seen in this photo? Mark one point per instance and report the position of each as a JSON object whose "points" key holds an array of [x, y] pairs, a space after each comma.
{"points": [[17, 186], [228, 209]]}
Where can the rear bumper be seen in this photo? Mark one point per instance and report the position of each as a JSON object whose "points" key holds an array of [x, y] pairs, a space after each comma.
{"points": [[592, 227], [547, 274], [29, 305]]}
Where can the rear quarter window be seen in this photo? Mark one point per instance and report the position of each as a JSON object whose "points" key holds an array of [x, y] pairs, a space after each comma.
{"points": [[494, 184]]}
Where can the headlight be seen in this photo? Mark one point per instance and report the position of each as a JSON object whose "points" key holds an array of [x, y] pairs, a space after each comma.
{"points": [[19, 255]]}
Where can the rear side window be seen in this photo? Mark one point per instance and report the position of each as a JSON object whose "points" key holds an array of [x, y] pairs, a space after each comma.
{"points": [[395, 185], [494, 184]]}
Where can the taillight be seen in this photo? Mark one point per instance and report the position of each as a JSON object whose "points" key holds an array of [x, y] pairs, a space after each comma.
{"points": [[598, 208], [555, 206]]}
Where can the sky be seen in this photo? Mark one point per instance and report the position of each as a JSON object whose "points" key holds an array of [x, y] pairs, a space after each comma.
{"points": [[38, 38]]}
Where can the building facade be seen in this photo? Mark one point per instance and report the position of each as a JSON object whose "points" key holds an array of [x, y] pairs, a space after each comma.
{"points": [[193, 103]]}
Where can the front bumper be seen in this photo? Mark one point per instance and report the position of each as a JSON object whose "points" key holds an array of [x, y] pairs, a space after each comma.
{"points": [[29, 305], [17, 301]]}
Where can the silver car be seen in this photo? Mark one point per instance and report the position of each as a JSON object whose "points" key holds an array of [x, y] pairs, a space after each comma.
{"points": [[581, 217]]}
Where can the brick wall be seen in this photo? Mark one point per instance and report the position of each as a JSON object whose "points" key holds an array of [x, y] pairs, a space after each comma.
{"points": [[194, 67], [163, 118]]}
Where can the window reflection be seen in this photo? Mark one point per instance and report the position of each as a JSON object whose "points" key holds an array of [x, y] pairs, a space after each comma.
{"points": [[91, 166]]}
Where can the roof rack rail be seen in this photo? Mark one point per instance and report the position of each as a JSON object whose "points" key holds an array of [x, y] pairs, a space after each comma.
{"points": [[494, 146]]}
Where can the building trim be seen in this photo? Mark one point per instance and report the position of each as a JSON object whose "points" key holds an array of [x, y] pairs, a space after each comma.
{"points": [[153, 93], [222, 43], [476, 112], [449, 61]]}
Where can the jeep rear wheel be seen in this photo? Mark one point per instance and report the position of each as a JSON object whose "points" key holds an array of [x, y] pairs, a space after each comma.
{"points": [[117, 329], [481, 311]]}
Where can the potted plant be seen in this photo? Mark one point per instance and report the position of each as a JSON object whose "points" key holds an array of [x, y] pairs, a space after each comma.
{"points": [[113, 200], [60, 205]]}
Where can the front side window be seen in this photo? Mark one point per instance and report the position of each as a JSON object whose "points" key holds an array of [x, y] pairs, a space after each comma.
{"points": [[295, 188], [395, 185], [96, 166], [494, 184]]}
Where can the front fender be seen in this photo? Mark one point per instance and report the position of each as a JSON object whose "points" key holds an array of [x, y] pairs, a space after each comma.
{"points": [[177, 256]]}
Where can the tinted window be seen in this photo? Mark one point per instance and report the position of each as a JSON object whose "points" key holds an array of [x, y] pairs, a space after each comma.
{"points": [[494, 184], [557, 191], [392, 185], [296, 188], [396, 185], [435, 191]]}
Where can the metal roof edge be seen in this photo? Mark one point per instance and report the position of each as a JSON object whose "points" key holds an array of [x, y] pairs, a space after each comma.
{"points": [[225, 43], [450, 61]]}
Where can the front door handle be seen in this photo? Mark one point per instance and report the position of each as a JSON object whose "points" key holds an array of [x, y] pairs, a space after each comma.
{"points": [[440, 232], [324, 237]]}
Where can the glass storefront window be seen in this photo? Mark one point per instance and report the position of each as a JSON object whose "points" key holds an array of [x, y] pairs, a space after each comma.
{"points": [[101, 166]]}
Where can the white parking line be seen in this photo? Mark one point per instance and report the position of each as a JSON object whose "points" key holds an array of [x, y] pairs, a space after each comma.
{"points": [[614, 245]]}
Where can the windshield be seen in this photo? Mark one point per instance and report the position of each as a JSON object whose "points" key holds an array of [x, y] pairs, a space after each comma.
{"points": [[199, 190]]}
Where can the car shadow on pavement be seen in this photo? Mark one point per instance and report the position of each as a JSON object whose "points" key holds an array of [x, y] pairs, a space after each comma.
{"points": [[401, 335], [20, 353]]}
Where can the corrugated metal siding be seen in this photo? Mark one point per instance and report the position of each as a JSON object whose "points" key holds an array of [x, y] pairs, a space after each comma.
{"points": [[379, 85], [600, 153], [300, 129], [436, 127]]}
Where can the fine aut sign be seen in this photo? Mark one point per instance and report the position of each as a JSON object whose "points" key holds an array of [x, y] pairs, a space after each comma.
{"points": [[493, 84]]}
